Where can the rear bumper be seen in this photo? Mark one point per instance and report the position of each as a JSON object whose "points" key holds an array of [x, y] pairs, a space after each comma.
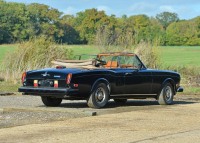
{"points": [[180, 89], [48, 91]]}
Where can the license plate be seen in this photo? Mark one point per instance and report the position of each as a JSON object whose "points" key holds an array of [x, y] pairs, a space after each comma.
{"points": [[45, 83]]}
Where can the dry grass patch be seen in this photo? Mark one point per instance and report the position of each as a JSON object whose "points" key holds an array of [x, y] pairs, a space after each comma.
{"points": [[35, 54]]}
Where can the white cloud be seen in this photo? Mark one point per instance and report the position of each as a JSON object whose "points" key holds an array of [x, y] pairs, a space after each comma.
{"points": [[107, 9], [70, 10], [167, 8], [104, 8], [142, 7]]}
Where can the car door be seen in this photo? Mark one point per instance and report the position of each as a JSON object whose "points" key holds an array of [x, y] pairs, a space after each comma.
{"points": [[137, 80]]}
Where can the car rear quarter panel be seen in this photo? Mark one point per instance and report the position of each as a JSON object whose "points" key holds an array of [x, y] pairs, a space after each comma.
{"points": [[88, 79]]}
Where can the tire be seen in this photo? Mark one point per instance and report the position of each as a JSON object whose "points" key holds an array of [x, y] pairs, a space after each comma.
{"points": [[166, 95], [52, 102], [99, 96], [120, 101]]}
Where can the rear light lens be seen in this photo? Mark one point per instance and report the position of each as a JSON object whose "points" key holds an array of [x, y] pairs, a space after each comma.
{"points": [[69, 77], [23, 77], [35, 83], [55, 83]]}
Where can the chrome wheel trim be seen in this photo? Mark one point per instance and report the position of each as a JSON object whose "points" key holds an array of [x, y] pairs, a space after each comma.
{"points": [[100, 95], [168, 93]]}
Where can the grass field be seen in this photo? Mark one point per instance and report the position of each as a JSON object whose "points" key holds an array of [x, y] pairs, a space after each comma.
{"points": [[181, 56], [5, 49], [170, 56]]}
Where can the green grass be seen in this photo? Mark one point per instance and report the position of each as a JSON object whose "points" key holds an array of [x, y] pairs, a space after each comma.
{"points": [[188, 56], [170, 56], [9, 86], [181, 56], [5, 49], [83, 49], [191, 90]]}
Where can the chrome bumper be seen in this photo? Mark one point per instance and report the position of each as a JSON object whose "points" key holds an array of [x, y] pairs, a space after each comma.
{"points": [[47, 91]]}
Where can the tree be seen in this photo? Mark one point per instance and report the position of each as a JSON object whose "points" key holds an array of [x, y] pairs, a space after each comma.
{"points": [[182, 33], [125, 32], [13, 21], [44, 20], [141, 24], [87, 23], [197, 21], [166, 18], [156, 32], [70, 35]]}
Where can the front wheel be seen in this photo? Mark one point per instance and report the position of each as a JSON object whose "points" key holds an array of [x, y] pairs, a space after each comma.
{"points": [[52, 102], [99, 96], [166, 95]]}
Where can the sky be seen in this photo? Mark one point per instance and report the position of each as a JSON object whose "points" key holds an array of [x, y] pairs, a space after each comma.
{"points": [[186, 9]]}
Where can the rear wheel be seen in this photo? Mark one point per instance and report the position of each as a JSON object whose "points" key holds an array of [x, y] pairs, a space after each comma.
{"points": [[99, 96], [52, 102], [166, 95]]}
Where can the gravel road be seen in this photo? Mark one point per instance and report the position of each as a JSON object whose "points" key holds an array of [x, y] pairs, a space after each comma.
{"points": [[22, 110], [137, 121]]}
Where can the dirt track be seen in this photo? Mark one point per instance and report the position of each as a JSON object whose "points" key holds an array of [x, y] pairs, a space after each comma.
{"points": [[150, 123]]}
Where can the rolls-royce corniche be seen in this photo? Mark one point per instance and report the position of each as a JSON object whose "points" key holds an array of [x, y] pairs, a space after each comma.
{"points": [[117, 76]]}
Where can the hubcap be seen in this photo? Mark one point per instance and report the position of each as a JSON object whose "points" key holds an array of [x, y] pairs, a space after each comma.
{"points": [[168, 93], [100, 95]]}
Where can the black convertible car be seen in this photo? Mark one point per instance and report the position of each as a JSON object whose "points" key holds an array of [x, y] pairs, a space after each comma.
{"points": [[118, 76]]}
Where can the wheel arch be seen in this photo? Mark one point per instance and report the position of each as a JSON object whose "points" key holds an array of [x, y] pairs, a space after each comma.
{"points": [[101, 80], [168, 80]]}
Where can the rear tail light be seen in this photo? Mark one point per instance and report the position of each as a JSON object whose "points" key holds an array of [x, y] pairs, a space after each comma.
{"points": [[69, 77], [55, 83], [35, 83], [23, 77]]}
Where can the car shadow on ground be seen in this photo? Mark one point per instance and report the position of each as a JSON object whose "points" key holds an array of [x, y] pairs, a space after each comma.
{"points": [[145, 103], [129, 103]]}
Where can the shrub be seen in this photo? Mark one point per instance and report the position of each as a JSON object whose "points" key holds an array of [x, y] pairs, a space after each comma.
{"points": [[190, 75], [109, 39], [149, 53], [34, 54]]}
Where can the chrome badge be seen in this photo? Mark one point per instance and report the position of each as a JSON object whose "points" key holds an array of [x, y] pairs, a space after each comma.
{"points": [[56, 76], [45, 74]]}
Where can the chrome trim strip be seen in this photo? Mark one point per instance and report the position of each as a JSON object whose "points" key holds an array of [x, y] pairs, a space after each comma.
{"points": [[134, 95]]}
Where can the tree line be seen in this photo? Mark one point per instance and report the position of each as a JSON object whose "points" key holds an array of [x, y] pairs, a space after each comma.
{"points": [[21, 22]]}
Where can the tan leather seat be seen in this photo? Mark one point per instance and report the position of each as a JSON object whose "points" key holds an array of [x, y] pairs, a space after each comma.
{"points": [[111, 64]]}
